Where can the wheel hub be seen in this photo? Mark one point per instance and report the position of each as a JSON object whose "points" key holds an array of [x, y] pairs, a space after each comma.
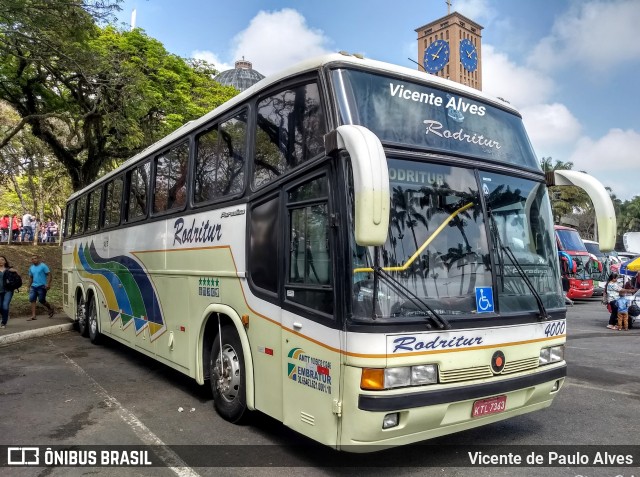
{"points": [[80, 310], [93, 323], [227, 373]]}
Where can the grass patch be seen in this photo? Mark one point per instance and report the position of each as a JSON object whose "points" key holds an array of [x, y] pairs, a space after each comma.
{"points": [[19, 257]]}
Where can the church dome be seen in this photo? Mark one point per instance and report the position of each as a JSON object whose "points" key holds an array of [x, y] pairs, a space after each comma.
{"points": [[241, 77]]}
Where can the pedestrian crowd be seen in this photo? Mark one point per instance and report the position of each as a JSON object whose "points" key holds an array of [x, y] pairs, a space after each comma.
{"points": [[28, 228], [621, 302], [38, 285]]}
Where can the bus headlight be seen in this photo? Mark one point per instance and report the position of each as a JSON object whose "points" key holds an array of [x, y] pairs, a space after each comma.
{"points": [[553, 354], [397, 377], [424, 374], [557, 353], [545, 356], [389, 378]]}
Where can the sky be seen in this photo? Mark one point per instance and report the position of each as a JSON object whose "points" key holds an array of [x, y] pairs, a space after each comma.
{"points": [[571, 67]]}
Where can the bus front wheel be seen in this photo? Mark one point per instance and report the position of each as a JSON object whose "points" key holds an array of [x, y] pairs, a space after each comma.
{"points": [[226, 369]]}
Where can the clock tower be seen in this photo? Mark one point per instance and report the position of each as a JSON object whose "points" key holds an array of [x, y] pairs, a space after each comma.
{"points": [[451, 48]]}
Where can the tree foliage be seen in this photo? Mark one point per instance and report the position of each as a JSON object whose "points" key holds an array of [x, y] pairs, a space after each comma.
{"points": [[31, 180], [629, 217], [566, 200], [95, 95]]}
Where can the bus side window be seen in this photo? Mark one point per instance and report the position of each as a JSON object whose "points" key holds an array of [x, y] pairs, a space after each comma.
{"points": [[263, 256], [170, 187], [290, 131], [94, 209], [138, 192], [79, 220], [206, 166], [310, 274], [68, 219], [230, 170], [113, 202], [220, 160]]}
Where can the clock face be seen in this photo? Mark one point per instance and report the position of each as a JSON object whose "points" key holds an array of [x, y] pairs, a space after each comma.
{"points": [[468, 55], [436, 56]]}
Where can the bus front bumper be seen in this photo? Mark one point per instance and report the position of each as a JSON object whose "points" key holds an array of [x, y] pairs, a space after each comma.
{"points": [[427, 414], [577, 293]]}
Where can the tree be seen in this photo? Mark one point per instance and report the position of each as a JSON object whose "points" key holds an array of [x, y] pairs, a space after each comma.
{"points": [[629, 217], [31, 179], [95, 95]]}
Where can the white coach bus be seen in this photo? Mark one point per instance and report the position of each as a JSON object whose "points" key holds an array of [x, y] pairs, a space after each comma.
{"points": [[362, 251]]}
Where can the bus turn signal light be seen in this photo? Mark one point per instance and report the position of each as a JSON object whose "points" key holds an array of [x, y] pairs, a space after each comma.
{"points": [[372, 378], [398, 377]]}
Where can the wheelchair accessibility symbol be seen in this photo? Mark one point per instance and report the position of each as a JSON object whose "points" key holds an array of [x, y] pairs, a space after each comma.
{"points": [[484, 299]]}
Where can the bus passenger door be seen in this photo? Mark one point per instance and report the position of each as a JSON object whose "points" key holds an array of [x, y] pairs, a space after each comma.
{"points": [[310, 337]]}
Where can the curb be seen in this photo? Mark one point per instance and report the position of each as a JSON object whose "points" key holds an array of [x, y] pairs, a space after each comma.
{"points": [[26, 335]]}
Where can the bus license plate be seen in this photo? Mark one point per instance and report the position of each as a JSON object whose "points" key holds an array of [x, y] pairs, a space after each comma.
{"points": [[492, 405]]}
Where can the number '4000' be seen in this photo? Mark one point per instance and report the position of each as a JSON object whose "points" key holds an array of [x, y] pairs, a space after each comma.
{"points": [[555, 329]]}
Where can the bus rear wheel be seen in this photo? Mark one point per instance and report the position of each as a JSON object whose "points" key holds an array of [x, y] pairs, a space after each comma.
{"points": [[227, 372], [92, 321], [81, 317]]}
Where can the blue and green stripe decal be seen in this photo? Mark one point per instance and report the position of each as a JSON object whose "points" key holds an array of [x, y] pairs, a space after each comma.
{"points": [[128, 291]]}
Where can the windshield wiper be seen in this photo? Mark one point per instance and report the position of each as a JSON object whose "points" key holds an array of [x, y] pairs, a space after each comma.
{"points": [[400, 289], [494, 228], [543, 312]]}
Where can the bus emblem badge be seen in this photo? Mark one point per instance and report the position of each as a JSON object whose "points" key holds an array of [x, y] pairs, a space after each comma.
{"points": [[497, 362]]}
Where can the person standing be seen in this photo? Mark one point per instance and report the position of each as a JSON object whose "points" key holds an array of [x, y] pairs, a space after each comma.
{"points": [[53, 231], [623, 312], [28, 221], [39, 284], [15, 228], [5, 294], [4, 228], [612, 291]]}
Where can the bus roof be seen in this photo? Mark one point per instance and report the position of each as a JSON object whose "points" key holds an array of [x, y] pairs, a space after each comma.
{"points": [[313, 64]]}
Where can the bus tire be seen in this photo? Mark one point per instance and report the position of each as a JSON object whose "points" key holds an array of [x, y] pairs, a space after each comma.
{"points": [[81, 317], [92, 321], [228, 386]]}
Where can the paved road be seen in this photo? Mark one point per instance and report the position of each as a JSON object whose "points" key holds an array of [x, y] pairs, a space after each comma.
{"points": [[63, 390]]}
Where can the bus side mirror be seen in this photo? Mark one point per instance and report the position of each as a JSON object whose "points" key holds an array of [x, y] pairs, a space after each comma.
{"points": [[370, 181]]}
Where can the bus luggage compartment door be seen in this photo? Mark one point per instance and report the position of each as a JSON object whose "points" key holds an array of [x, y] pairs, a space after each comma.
{"points": [[312, 382]]}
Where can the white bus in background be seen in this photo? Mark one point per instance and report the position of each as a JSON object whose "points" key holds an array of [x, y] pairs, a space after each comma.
{"points": [[362, 251], [607, 261], [631, 242]]}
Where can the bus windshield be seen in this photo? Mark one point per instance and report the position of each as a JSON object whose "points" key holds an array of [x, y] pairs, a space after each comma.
{"points": [[438, 246], [412, 114], [570, 240], [594, 249]]}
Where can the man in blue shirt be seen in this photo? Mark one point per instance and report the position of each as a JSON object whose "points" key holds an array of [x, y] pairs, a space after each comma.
{"points": [[39, 283]]}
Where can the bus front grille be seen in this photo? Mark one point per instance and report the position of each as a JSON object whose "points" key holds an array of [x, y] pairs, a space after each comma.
{"points": [[521, 365], [465, 374], [482, 372]]}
